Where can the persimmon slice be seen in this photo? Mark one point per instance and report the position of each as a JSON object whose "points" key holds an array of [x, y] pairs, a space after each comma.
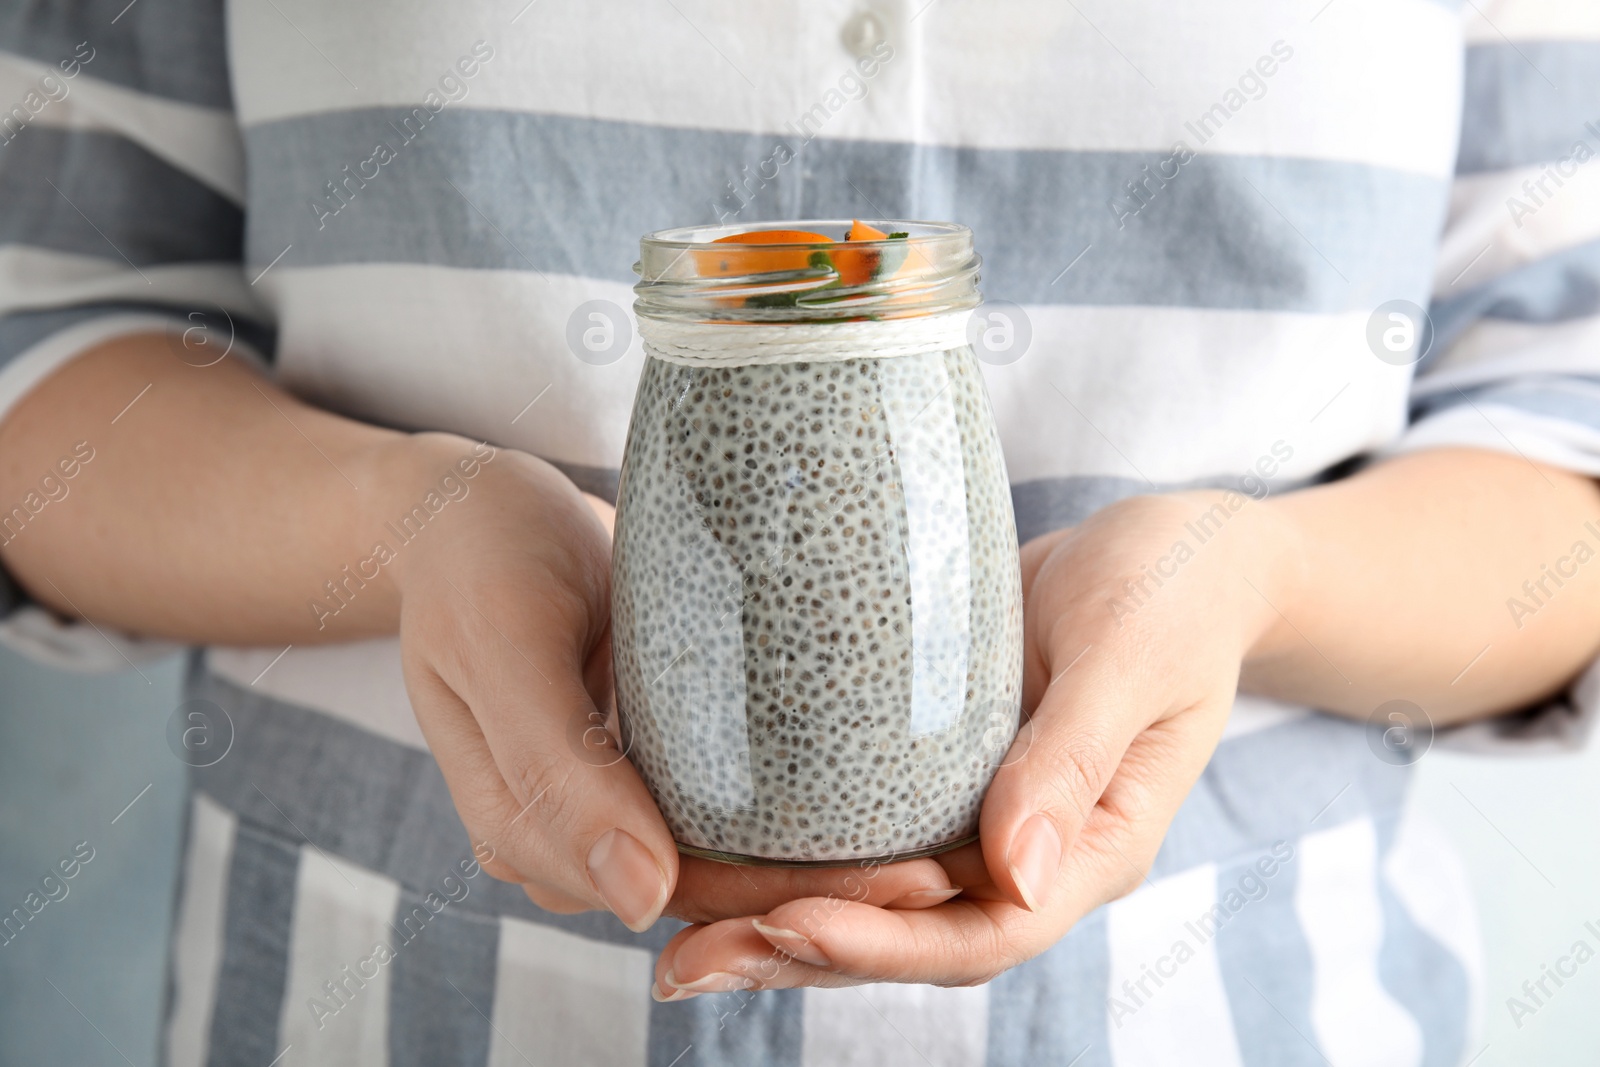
{"points": [[855, 266], [739, 261], [775, 237]]}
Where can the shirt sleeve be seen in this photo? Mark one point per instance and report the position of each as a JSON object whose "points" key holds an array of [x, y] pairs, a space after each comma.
{"points": [[122, 176], [1514, 363]]}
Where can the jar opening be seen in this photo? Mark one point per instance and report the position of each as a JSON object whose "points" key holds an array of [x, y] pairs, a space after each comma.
{"points": [[812, 275]]}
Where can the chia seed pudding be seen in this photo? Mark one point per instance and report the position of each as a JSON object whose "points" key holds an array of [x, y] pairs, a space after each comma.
{"points": [[817, 605]]}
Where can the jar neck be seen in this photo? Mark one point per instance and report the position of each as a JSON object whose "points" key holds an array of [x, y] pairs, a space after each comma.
{"points": [[741, 344], [687, 276]]}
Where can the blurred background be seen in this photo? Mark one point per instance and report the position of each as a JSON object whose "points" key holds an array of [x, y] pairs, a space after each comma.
{"points": [[85, 758]]}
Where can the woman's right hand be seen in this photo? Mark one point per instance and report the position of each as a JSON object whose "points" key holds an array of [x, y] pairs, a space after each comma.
{"points": [[505, 640]]}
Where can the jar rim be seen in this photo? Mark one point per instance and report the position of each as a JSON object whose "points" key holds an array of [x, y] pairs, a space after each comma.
{"points": [[931, 270], [688, 237]]}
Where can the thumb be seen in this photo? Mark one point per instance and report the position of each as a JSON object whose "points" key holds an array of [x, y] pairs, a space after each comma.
{"points": [[1047, 789]]}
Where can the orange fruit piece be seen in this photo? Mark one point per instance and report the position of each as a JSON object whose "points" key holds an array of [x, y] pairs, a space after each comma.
{"points": [[856, 266], [739, 261]]}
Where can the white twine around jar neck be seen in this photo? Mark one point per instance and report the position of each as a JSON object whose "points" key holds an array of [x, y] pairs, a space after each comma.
{"points": [[711, 344]]}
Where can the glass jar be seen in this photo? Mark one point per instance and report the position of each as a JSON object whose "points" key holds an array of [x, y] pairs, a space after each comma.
{"points": [[817, 606]]}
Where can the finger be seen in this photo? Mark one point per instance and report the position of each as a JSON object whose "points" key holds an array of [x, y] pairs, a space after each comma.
{"points": [[572, 822], [659, 989], [1105, 762], [729, 956], [606, 513], [1054, 775], [957, 942], [1036, 551], [966, 868], [1157, 772], [553, 900], [708, 891], [598, 680], [480, 795], [1036, 673], [830, 943]]}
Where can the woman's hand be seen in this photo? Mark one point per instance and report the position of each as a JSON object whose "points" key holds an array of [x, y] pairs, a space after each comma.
{"points": [[1133, 656], [505, 640]]}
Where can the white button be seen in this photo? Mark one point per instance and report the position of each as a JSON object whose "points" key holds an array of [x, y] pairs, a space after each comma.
{"points": [[862, 33]]}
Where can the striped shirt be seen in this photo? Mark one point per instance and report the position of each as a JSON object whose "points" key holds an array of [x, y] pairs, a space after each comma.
{"points": [[1214, 221]]}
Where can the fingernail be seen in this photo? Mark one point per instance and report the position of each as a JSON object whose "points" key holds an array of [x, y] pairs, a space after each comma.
{"points": [[923, 898], [628, 879], [669, 998], [797, 945], [1033, 859], [715, 982]]}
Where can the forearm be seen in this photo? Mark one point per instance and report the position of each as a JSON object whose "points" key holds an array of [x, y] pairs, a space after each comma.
{"points": [[1410, 580], [215, 507]]}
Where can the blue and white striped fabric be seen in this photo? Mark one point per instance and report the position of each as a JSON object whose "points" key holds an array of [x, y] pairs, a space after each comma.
{"points": [[1517, 285], [1199, 208]]}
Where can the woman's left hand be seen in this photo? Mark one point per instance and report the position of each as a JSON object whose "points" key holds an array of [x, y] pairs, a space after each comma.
{"points": [[1133, 656]]}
